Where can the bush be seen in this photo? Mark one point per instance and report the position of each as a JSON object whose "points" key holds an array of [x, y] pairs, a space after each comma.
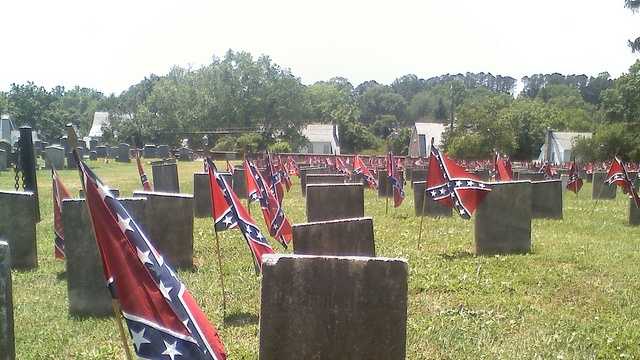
{"points": [[355, 137], [468, 146], [226, 143], [280, 147], [399, 141]]}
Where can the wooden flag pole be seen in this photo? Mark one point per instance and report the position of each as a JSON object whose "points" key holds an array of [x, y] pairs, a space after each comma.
{"points": [[424, 200], [218, 252], [73, 142]]}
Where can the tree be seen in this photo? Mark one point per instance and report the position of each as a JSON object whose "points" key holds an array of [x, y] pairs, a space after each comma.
{"points": [[634, 5], [381, 100], [408, 86]]}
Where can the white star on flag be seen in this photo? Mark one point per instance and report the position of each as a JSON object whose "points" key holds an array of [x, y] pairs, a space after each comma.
{"points": [[165, 290], [170, 350], [125, 224], [139, 339], [144, 256]]}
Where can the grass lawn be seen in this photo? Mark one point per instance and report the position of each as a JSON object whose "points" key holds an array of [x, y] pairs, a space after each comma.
{"points": [[574, 297]]}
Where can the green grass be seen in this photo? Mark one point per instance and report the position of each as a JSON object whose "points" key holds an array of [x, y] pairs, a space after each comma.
{"points": [[574, 297]]}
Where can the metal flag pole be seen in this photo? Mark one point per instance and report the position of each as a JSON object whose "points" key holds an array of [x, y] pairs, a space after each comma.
{"points": [[73, 142]]}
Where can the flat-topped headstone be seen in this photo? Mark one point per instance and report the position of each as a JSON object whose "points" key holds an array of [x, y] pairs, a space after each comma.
{"points": [[334, 308], [310, 170], [162, 151], [418, 174], [325, 179], [503, 219], [4, 156], [18, 220], [238, 183], [202, 194], [150, 151], [165, 178], [600, 190], [115, 193], [185, 154], [530, 175], [345, 237], [483, 174], [122, 154], [101, 151], [565, 180], [634, 213], [169, 225], [384, 185], [546, 199], [334, 201], [7, 340], [424, 205]]}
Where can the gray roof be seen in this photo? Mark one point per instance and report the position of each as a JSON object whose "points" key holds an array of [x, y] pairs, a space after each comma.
{"points": [[566, 139], [431, 130]]}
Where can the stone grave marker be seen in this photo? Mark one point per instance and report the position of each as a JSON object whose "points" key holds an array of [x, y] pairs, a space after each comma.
{"points": [[3, 160], [503, 219], [238, 183], [165, 178], [7, 339], [18, 227], [310, 170], [101, 151], [115, 193], [202, 193], [344, 237], [601, 190], [546, 199], [334, 201], [334, 308], [163, 151], [185, 154], [150, 151], [325, 179], [93, 155], [418, 174], [565, 181], [384, 185], [634, 213], [169, 225], [431, 208], [530, 175], [122, 154]]}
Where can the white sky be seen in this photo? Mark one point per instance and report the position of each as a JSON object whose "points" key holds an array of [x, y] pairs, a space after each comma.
{"points": [[110, 45]]}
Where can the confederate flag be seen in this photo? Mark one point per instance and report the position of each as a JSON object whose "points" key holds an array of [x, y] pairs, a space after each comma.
{"points": [[618, 175], [60, 193], [164, 320], [451, 185], [575, 183], [360, 168], [392, 173], [502, 169]]}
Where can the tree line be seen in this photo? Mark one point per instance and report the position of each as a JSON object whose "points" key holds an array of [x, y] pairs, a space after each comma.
{"points": [[240, 91]]}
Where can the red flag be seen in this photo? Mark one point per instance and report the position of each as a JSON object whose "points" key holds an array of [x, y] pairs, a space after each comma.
{"points": [[341, 167], [60, 193], [360, 168], [503, 169], [234, 214], [143, 177], [575, 183], [274, 217], [618, 175], [394, 179], [449, 184], [162, 316], [293, 167]]}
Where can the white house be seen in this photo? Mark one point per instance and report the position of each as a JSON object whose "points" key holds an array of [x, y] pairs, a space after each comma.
{"points": [[323, 139], [99, 119], [421, 137], [561, 146]]}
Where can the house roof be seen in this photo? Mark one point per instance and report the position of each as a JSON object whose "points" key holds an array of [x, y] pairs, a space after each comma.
{"points": [[567, 139], [99, 119], [431, 130]]}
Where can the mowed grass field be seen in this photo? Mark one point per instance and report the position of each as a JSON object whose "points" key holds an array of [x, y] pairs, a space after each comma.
{"points": [[574, 297]]}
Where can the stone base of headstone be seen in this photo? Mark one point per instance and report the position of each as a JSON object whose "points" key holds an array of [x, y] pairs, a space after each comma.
{"points": [[165, 178], [346, 237], [634, 213], [18, 220], [169, 225], [600, 190], [503, 219], [431, 208], [7, 339], [334, 201], [334, 308], [546, 199]]}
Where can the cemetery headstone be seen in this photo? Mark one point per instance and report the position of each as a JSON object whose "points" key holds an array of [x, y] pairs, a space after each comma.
{"points": [[101, 151], [7, 340], [634, 213], [546, 199], [530, 175], [565, 181], [345, 237], [165, 178], [3, 160], [18, 227], [93, 155], [169, 225], [310, 170], [238, 183], [122, 154], [601, 190], [325, 179], [431, 208], [150, 151], [185, 154], [334, 308], [115, 193], [201, 195], [503, 219], [163, 151], [334, 201], [93, 144], [418, 174], [384, 185]]}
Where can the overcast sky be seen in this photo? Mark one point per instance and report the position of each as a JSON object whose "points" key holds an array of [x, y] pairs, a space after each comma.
{"points": [[110, 45]]}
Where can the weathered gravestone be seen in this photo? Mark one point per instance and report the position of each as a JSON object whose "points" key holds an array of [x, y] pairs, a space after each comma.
{"points": [[169, 225], [634, 213], [115, 193], [150, 151], [424, 205], [7, 340], [334, 307], [565, 181], [418, 174], [3, 160], [238, 183], [483, 174], [86, 286], [601, 190], [385, 189], [325, 179], [18, 227], [162, 151], [93, 155], [334, 201], [101, 151], [503, 219], [310, 170], [546, 199], [185, 154], [345, 237], [529, 175], [202, 193], [4, 145], [122, 154], [165, 178]]}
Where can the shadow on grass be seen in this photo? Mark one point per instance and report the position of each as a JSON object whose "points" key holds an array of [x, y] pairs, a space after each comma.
{"points": [[62, 275], [241, 319], [459, 254]]}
